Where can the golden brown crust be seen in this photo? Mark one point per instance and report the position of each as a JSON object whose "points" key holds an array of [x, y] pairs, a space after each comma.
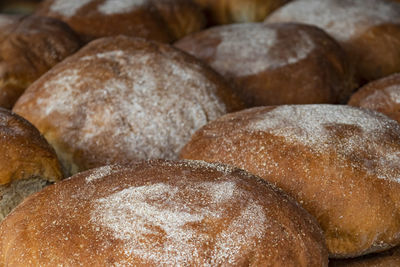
{"points": [[182, 17], [161, 214], [376, 52], [382, 95], [158, 20], [368, 30], [390, 258], [339, 162], [233, 11], [121, 99], [24, 152], [29, 47], [277, 63]]}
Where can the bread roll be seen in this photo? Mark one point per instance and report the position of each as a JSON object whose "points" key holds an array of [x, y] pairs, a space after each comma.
{"points": [[159, 20], [341, 163], [390, 258], [181, 17], [30, 46], [382, 95], [369, 30], [27, 162], [161, 214], [233, 11], [121, 99], [276, 64]]}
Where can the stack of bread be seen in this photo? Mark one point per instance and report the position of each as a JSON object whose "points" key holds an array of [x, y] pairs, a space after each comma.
{"points": [[270, 140]]}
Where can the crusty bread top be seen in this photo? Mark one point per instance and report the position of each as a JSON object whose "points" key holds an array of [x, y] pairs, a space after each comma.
{"points": [[30, 46], [274, 64], [340, 162], [354, 133], [250, 48], [119, 99], [158, 20], [368, 30], [343, 19], [382, 95], [161, 214], [234, 11], [24, 153]]}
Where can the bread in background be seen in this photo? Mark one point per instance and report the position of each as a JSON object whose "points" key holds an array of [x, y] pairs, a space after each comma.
{"points": [[238, 11], [121, 99], [369, 30], [158, 20], [273, 64], [27, 162], [382, 95], [30, 46]]}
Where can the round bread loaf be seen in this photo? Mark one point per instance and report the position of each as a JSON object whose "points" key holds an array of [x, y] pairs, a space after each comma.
{"points": [[390, 258], [27, 162], [161, 214], [120, 99], [369, 30], [276, 64], [382, 95], [159, 20], [341, 163], [233, 11], [30, 46]]}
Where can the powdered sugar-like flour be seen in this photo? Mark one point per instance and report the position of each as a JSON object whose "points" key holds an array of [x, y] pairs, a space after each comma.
{"points": [[110, 7], [381, 99], [256, 48], [146, 111], [68, 8], [343, 19], [99, 173], [309, 125], [136, 213], [306, 124]]}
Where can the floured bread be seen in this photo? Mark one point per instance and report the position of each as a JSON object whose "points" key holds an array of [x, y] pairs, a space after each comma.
{"points": [[382, 95], [30, 46], [340, 162], [121, 99], [158, 20], [369, 30], [276, 64], [162, 214]]}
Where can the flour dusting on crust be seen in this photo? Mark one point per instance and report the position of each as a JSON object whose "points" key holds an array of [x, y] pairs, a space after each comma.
{"points": [[135, 214], [311, 125], [68, 8], [256, 48], [147, 105], [99, 173], [343, 19], [394, 93], [110, 7], [307, 124]]}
